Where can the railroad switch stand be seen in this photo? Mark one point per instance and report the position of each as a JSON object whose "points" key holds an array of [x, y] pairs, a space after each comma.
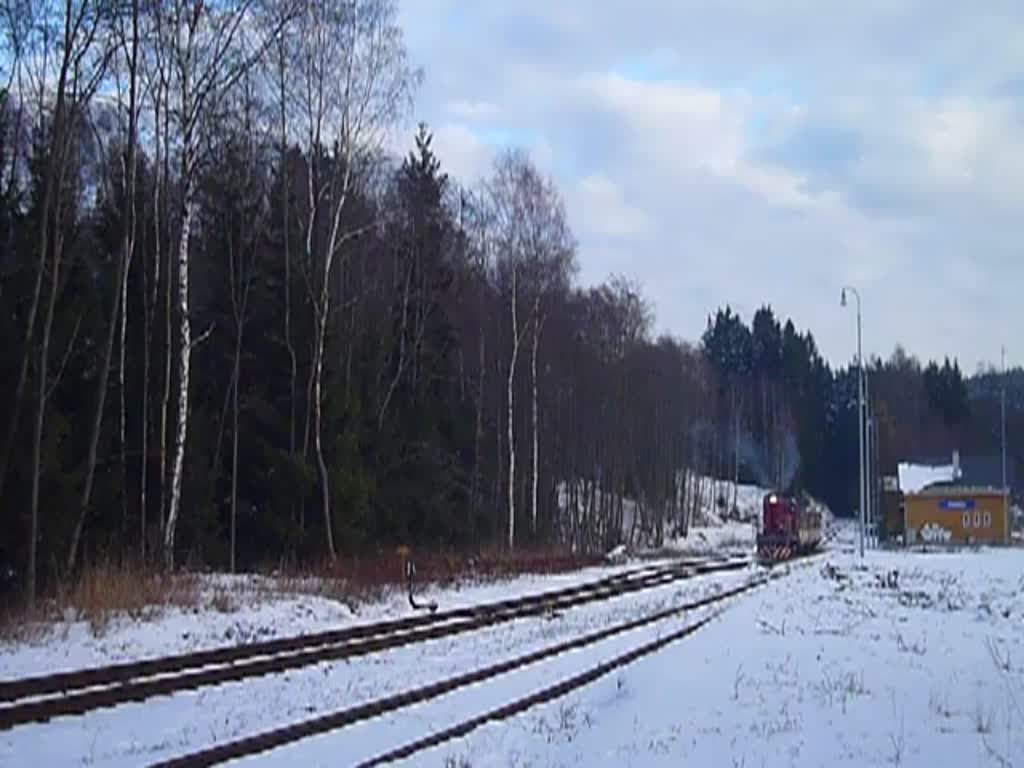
{"points": [[410, 575]]}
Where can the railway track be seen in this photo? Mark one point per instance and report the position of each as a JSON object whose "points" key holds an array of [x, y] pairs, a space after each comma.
{"points": [[42, 698], [335, 721]]}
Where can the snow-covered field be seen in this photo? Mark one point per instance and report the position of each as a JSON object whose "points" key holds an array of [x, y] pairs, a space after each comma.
{"points": [[840, 664], [161, 728], [904, 659], [728, 537], [243, 609]]}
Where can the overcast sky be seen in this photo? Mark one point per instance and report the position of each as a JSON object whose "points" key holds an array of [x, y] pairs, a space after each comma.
{"points": [[746, 151]]}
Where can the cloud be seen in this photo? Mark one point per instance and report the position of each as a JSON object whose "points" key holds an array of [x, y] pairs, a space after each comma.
{"points": [[601, 200], [464, 109], [462, 153], [738, 152]]}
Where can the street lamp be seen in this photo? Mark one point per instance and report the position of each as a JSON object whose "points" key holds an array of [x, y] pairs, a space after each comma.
{"points": [[869, 461], [1002, 399], [860, 409], [869, 496]]}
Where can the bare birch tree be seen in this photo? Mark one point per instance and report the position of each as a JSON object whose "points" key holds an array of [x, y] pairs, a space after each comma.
{"points": [[69, 59], [534, 248], [354, 82], [243, 242], [129, 42], [202, 43]]}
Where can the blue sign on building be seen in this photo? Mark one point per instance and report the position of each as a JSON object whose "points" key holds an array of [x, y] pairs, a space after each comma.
{"points": [[957, 504]]}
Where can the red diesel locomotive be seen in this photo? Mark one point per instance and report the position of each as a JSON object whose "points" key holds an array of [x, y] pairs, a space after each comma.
{"points": [[789, 527]]}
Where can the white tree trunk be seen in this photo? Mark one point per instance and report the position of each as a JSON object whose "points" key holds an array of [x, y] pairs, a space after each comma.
{"points": [[37, 432], [128, 254], [511, 420], [234, 446], [289, 344], [479, 433], [144, 438], [183, 381], [318, 361], [165, 401], [536, 439], [149, 316], [120, 372]]}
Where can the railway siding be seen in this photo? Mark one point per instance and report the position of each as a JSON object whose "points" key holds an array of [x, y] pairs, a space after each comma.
{"points": [[43, 698]]}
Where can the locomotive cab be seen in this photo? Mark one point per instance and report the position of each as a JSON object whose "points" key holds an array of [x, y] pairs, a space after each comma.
{"points": [[788, 528], [778, 516]]}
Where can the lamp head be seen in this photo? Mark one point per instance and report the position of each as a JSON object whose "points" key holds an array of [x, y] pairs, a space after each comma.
{"points": [[842, 298]]}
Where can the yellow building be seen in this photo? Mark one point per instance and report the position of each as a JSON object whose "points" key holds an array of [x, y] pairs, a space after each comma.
{"points": [[947, 514]]}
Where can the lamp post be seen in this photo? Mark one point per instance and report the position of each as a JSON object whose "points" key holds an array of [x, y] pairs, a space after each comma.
{"points": [[869, 463], [1002, 419], [869, 474], [860, 409]]}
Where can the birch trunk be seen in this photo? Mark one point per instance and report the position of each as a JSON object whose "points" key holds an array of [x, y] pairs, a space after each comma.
{"points": [[478, 435], [234, 446], [511, 419], [538, 325], [165, 405], [239, 277], [286, 225], [149, 315], [184, 365], [37, 439], [37, 436], [144, 438], [325, 494]]}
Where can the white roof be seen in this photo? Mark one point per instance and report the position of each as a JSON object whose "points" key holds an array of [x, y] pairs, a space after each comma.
{"points": [[914, 478]]}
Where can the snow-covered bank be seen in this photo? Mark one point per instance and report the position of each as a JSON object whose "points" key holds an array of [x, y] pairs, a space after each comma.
{"points": [[723, 516], [163, 727], [912, 660], [238, 609], [904, 659]]}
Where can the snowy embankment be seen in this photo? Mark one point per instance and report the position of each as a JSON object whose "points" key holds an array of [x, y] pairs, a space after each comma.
{"points": [[727, 520], [733, 531], [912, 660], [902, 659], [723, 516], [165, 727], [233, 610]]}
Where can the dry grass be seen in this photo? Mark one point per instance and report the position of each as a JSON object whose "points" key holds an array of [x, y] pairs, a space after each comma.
{"points": [[106, 591], [101, 593], [368, 577]]}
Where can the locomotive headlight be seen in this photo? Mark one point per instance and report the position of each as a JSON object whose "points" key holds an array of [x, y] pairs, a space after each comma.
{"points": [[773, 499]]}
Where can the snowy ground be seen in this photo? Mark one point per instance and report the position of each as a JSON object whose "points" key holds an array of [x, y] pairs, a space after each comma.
{"points": [[241, 609], [906, 659], [728, 537], [142, 733], [833, 666]]}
